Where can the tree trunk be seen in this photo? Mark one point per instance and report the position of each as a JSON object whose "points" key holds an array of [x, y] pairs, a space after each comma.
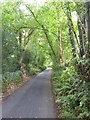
{"points": [[81, 48], [71, 30], [60, 50], [20, 38], [45, 32], [88, 26]]}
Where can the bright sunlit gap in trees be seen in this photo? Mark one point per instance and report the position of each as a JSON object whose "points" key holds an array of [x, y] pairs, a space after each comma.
{"points": [[37, 2]]}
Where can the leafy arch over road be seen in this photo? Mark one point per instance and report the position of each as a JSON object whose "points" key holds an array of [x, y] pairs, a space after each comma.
{"points": [[50, 36]]}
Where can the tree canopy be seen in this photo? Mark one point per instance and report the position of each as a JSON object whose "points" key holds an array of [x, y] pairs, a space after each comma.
{"points": [[55, 34]]}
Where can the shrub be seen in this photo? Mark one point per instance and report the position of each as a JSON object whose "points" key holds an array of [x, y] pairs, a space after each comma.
{"points": [[33, 69], [72, 94], [10, 77]]}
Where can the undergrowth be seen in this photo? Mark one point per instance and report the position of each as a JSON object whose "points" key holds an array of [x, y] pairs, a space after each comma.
{"points": [[10, 77], [72, 94]]}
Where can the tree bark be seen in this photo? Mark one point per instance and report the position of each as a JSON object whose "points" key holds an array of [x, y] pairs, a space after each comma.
{"points": [[88, 26], [71, 30], [25, 46], [60, 50], [81, 48]]}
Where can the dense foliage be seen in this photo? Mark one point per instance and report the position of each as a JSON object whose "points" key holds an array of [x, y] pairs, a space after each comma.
{"points": [[55, 34]]}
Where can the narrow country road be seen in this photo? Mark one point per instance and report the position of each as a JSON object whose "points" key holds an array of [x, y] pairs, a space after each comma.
{"points": [[33, 100]]}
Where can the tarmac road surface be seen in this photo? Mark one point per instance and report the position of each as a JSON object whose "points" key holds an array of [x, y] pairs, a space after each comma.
{"points": [[33, 100]]}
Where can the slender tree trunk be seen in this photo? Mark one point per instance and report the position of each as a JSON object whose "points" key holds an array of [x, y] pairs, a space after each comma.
{"points": [[60, 50], [45, 32], [25, 46], [72, 42], [71, 30], [81, 48], [20, 38], [88, 26], [81, 30]]}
